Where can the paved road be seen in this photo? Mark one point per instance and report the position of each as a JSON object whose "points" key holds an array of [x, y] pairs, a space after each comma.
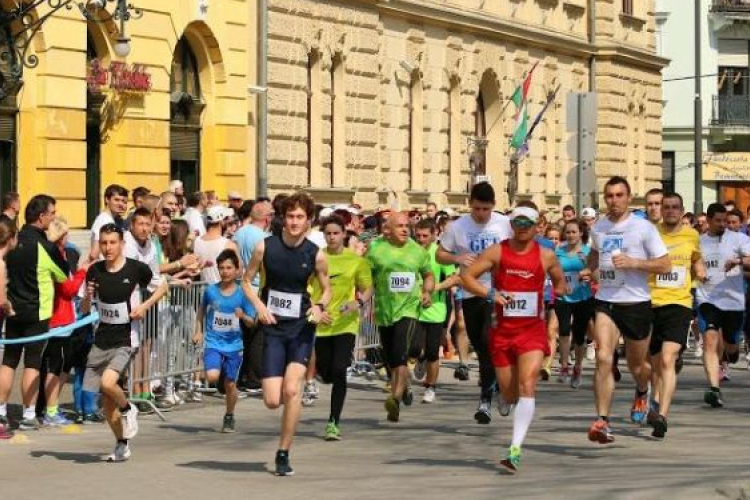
{"points": [[435, 452]]}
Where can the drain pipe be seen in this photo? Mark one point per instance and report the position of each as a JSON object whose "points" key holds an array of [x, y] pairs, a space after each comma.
{"points": [[262, 122], [592, 84]]}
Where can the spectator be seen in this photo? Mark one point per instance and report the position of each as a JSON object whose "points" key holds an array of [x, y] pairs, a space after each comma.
{"points": [[701, 223], [33, 268], [568, 213], [210, 245], [176, 187], [235, 200], [589, 216], [116, 203], [139, 198], [212, 198], [431, 210], [8, 238], [277, 223], [169, 202], [688, 220], [11, 207], [195, 212], [244, 213]]}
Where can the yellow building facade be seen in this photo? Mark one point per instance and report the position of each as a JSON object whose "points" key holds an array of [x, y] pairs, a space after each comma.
{"points": [[372, 98], [75, 132]]}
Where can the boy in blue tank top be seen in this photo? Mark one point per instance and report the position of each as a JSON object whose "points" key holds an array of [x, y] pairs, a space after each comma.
{"points": [[224, 305]]}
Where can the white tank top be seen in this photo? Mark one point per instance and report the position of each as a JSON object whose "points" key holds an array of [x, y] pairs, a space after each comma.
{"points": [[207, 251]]}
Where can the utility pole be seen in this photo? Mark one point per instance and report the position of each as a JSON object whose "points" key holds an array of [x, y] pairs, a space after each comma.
{"points": [[698, 160]]}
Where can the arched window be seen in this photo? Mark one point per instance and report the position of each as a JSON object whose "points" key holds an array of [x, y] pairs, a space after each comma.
{"points": [[338, 123], [314, 132], [479, 155], [186, 106], [8, 112]]}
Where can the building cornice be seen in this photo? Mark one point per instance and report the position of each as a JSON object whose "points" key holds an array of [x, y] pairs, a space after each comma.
{"points": [[631, 56]]}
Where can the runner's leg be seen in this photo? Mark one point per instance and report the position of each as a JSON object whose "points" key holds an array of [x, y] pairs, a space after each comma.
{"points": [[292, 385], [606, 336]]}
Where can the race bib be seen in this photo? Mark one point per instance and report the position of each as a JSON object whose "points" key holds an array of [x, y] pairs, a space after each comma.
{"points": [[714, 268], [114, 314], [611, 278], [571, 280], [523, 305], [285, 305], [225, 323], [677, 278], [401, 282]]}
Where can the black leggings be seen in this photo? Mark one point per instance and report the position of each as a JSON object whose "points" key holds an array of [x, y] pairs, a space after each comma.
{"points": [[574, 316], [333, 356], [477, 317], [433, 333]]}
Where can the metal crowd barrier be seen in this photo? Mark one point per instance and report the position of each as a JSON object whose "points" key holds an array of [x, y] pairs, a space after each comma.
{"points": [[166, 347], [367, 354]]}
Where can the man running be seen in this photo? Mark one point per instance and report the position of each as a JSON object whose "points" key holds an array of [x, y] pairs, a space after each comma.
{"points": [[397, 262], [115, 284], [432, 319], [672, 301], [462, 241], [721, 298], [518, 342], [625, 250], [286, 263]]}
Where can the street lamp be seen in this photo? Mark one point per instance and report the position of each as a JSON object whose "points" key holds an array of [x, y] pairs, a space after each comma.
{"points": [[20, 22]]}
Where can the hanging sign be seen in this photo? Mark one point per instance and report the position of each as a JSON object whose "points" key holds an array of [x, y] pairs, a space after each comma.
{"points": [[119, 77]]}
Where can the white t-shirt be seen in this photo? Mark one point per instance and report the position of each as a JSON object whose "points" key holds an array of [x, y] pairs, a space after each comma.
{"points": [[195, 221], [317, 237], [146, 254], [465, 235], [725, 290], [101, 220], [636, 238]]}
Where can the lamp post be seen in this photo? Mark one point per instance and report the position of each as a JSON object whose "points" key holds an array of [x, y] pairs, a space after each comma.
{"points": [[20, 22], [698, 117]]}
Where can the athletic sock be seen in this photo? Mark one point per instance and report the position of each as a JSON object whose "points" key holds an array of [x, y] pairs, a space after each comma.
{"points": [[125, 408], [122, 441], [3, 409], [29, 413], [715, 389], [603, 417], [641, 394], [522, 418], [52, 410]]}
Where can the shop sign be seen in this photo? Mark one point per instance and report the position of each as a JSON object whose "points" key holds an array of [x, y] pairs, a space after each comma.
{"points": [[119, 77], [726, 167]]}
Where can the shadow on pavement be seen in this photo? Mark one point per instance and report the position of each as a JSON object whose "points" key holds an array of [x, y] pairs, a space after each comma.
{"points": [[228, 466], [480, 464], [77, 458]]}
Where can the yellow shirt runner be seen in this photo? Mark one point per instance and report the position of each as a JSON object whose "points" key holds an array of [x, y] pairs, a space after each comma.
{"points": [[673, 288]]}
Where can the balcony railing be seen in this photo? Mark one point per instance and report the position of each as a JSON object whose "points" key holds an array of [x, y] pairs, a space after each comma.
{"points": [[730, 6], [731, 111]]}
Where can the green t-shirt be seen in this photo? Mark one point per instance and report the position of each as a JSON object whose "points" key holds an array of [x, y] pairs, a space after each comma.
{"points": [[347, 272], [437, 312], [396, 273]]}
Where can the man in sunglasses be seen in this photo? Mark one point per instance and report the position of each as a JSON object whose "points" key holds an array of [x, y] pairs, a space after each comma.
{"points": [[518, 339]]}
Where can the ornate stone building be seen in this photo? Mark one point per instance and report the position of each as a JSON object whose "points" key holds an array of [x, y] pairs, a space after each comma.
{"points": [[373, 97]]}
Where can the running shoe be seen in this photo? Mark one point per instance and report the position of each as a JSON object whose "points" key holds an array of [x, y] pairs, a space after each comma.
{"points": [[56, 421], [29, 424], [420, 370], [504, 408], [713, 398], [92, 418], [461, 373], [408, 397], [660, 427], [724, 374], [639, 410], [429, 396], [653, 412], [544, 374], [227, 427], [563, 374], [312, 388], [5, 432], [282, 464], [392, 409], [130, 422], [590, 351], [332, 431], [308, 397], [616, 372], [577, 378], [483, 415], [307, 400], [600, 432], [194, 397], [79, 419], [513, 461], [121, 453], [698, 353]]}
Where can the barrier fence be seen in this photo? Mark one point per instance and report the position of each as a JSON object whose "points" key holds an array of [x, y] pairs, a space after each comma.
{"points": [[367, 353]]}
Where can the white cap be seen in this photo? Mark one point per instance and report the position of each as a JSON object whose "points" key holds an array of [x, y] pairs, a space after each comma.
{"points": [[234, 195], [347, 208], [326, 212], [175, 185], [588, 212], [450, 211], [218, 213], [526, 212]]}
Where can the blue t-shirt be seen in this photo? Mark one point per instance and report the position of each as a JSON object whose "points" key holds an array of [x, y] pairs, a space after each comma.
{"points": [[247, 238], [572, 264], [222, 326]]}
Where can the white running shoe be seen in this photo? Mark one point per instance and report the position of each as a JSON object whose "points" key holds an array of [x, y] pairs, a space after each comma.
{"points": [[504, 408], [130, 423], [428, 396], [121, 454], [590, 352]]}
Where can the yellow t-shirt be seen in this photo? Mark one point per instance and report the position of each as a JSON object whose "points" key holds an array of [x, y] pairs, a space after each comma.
{"points": [[347, 272], [673, 288]]}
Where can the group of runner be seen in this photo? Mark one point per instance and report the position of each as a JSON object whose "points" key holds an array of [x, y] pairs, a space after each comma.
{"points": [[625, 276]]}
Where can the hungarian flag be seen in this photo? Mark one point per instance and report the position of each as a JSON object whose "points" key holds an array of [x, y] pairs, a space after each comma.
{"points": [[524, 150], [519, 98]]}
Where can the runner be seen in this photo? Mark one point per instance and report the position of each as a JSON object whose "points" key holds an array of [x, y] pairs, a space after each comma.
{"points": [[463, 240], [721, 298], [672, 300], [518, 342], [625, 249], [432, 319], [396, 262], [115, 284], [334, 343], [286, 263], [654, 199], [575, 309], [223, 307]]}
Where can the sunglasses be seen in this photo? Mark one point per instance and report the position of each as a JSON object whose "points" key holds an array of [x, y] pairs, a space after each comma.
{"points": [[523, 223]]}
